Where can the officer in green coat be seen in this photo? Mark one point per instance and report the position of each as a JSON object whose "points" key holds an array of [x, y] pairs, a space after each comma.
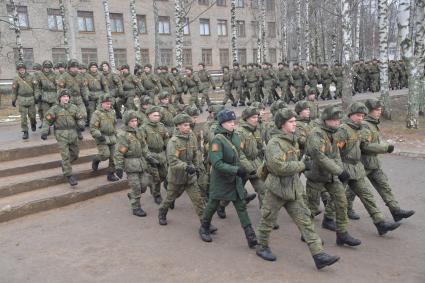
{"points": [[23, 89], [226, 178], [327, 172], [286, 190], [132, 156], [103, 130], [348, 138], [66, 119]]}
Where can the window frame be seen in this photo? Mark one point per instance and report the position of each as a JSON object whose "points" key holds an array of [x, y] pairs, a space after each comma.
{"points": [[208, 56], [201, 24], [84, 15], [22, 14], [114, 18], [57, 17], [139, 18], [221, 23], [238, 25], [88, 51], [162, 21]]}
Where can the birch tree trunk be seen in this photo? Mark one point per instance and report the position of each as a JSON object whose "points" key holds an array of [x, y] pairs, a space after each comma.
{"points": [[109, 35], [283, 18], [348, 54], [357, 36], [17, 29], [156, 38], [383, 57], [180, 21], [263, 31], [65, 28], [419, 52], [137, 49], [324, 37], [298, 28], [307, 42], [233, 28]]}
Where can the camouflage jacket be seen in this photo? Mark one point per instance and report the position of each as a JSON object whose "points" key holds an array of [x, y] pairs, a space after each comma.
{"points": [[371, 144], [76, 85], [23, 89], [103, 123]]}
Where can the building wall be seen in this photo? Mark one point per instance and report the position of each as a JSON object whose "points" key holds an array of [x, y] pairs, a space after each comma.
{"points": [[42, 40]]}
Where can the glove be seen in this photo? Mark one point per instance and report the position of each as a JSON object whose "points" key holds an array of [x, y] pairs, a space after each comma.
{"points": [[344, 176], [14, 103], [101, 139], [190, 169], [119, 173], [44, 137], [390, 148], [241, 173], [152, 161], [307, 164]]}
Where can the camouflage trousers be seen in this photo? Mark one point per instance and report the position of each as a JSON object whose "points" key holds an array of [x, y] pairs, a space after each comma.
{"points": [[299, 213], [315, 192], [138, 183], [299, 92], [159, 175], [90, 109], [68, 148], [336, 191], [326, 92], [194, 100], [239, 205], [129, 103], [267, 91], [285, 93], [27, 112], [379, 181], [205, 96], [239, 94], [105, 152], [252, 93], [374, 82], [338, 87], [174, 191], [228, 95]]}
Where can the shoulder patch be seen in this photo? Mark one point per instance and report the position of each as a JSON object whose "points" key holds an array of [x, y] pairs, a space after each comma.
{"points": [[214, 147]]}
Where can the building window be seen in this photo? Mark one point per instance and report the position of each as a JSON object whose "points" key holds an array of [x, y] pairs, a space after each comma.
{"points": [[241, 55], [254, 55], [224, 57], [255, 27], [28, 56], [22, 16], [85, 21], [120, 55], [270, 5], [89, 55], [272, 55], [240, 28], [203, 2], [141, 24], [145, 56], [240, 3], [222, 27], [187, 57], [204, 26], [164, 25], [54, 19], [186, 30], [207, 57], [117, 21], [271, 29], [220, 2], [166, 57], [254, 4], [58, 55]]}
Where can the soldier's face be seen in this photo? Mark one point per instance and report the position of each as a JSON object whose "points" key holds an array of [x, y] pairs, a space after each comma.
{"points": [[200, 67], [64, 99], [333, 123], [184, 128], [253, 120], [229, 125], [62, 70], [105, 67], [46, 70], [93, 69], [357, 118], [194, 119], [124, 71], [290, 126], [188, 72], [73, 70], [376, 113], [106, 105], [146, 106], [133, 123], [154, 117], [280, 67], [22, 71], [147, 69], [312, 97], [165, 101], [305, 113]]}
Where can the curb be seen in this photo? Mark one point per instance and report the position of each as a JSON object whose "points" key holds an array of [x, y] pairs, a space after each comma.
{"points": [[416, 155]]}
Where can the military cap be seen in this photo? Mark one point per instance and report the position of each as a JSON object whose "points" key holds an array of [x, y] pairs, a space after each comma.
{"points": [[282, 116], [47, 64], [105, 62], [36, 67], [92, 64], [165, 68], [189, 68], [153, 109], [146, 100], [83, 66], [324, 65], [278, 104], [244, 66], [61, 65], [249, 112], [295, 64], [182, 118], [125, 66], [258, 105], [301, 105], [105, 98], [215, 108], [148, 66], [235, 64], [331, 112], [163, 95], [201, 64], [192, 110], [312, 91], [130, 115], [225, 116], [21, 65], [357, 107], [73, 63], [63, 92], [373, 104]]}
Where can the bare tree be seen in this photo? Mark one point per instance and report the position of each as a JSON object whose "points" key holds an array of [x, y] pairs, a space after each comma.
{"points": [[17, 29], [383, 56], [298, 29], [307, 42], [109, 35], [283, 31], [233, 29], [65, 28], [135, 30], [180, 23], [348, 54], [419, 52], [156, 38]]}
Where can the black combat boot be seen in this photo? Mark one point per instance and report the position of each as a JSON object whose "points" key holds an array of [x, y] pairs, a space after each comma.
{"points": [[352, 214], [250, 197], [204, 232], [157, 199], [399, 214], [346, 239], [276, 226], [95, 164], [323, 259], [221, 212], [384, 227], [328, 223], [72, 181], [172, 205], [265, 253], [34, 127], [111, 177], [250, 236], [139, 212], [41, 125], [162, 218], [241, 103], [25, 135]]}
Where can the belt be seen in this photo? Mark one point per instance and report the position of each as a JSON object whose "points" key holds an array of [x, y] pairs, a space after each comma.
{"points": [[26, 95], [350, 161], [155, 150]]}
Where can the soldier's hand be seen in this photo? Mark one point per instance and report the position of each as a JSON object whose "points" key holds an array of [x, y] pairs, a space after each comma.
{"points": [[44, 137], [190, 169], [152, 161], [241, 173], [307, 164], [101, 139], [344, 176], [390, 148], [14, 103], [119, 173]]}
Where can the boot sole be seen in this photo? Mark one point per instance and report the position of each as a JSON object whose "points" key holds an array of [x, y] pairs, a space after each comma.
{"points": [[381, 233], [266, 258], [328, 263], [344, 243]]}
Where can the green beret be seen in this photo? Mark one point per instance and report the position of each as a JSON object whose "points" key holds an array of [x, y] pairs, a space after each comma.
{"points": [[331, 112], [129, 115], [21, 65], [192, 110], [105, 98], [301, 105], [283, 115], [163, 95], [357, 107], [225, 116], [373, 104], [249, 112], [182, 118], [153, 109], [72, 63], [47, 64]]}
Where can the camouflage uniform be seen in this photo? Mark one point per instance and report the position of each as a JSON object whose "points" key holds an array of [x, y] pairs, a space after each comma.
{"points": [[46, 92], [267, 78], [132, 87], [313, 77], [252, 79], [192, 84], [373, 73], [167, 81], [227, 86], [204, 87], [179, 86], [284, 82], [115, 89], [237, 84], [168, 112], [151, 83], [327, 78], [299, 82], [339, 80], [98, 85]]}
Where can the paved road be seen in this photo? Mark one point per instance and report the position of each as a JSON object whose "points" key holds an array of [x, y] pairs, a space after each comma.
{"points": [[99, 241]]}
